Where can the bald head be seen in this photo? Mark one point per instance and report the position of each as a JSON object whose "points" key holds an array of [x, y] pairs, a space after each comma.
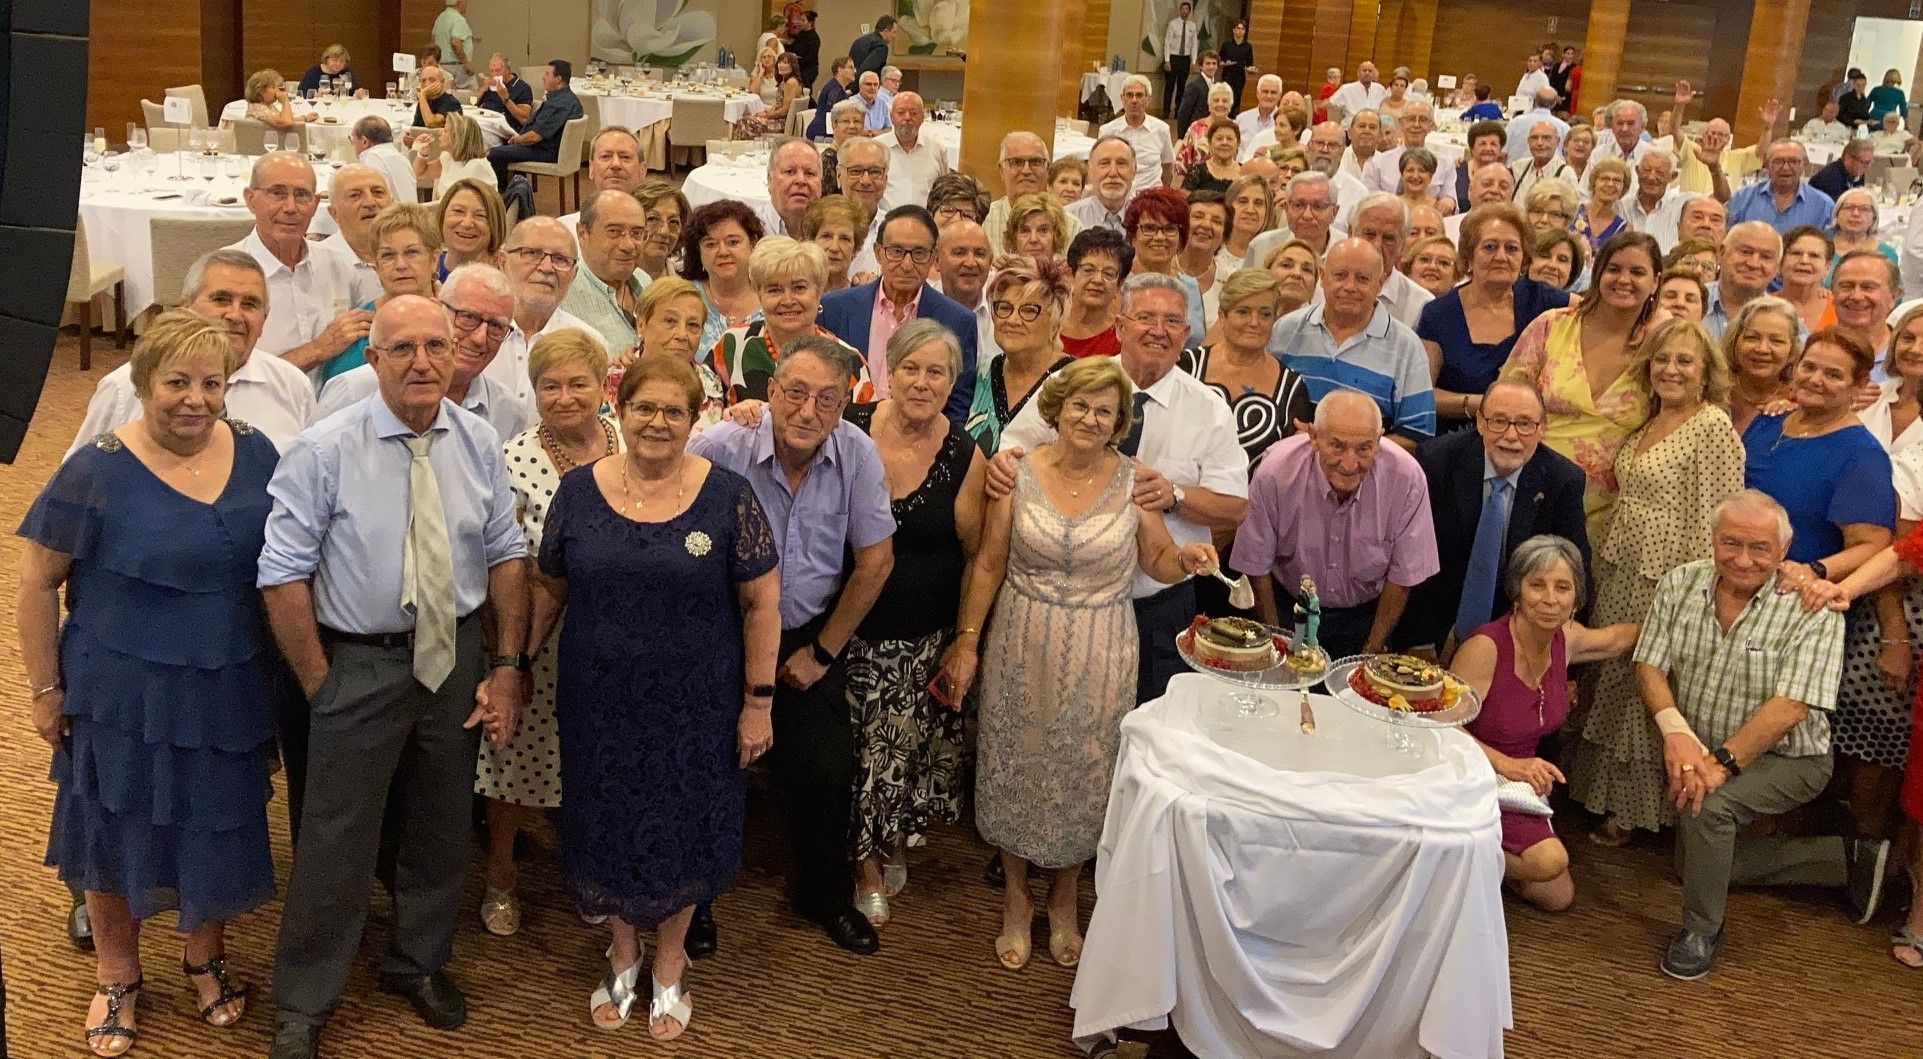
{"points": [[907, 114], [962, 255], [1024, 163]]}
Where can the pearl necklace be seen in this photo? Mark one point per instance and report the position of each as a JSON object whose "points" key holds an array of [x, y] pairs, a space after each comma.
{"points": [[563, 463]]}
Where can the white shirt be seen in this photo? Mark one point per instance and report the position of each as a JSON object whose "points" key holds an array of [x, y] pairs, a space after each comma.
{"points": [[508, 369], [1520, 125], [1351, 165], [1818, 129], [1526, 173], [910, 173], [1252, 124], [1530, 82], [387, 159], [1607, 147], [1153, 148], [1400, 295], [1355, 97], [1179, 39], [267, 392], [1876, 417], [1892, 142], [866, 259], [1088, 212], [304, 299], [1188, 434], [1660, 220], [1348, 191], [1910, 258], [771, 222], [366, 282], [451, 171], [485, 398]]}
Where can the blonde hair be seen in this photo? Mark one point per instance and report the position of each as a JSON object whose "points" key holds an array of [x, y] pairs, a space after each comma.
{"points": [[176, 335], [491, 207], [464, 143], [1026, 206], [660, 293], [1604, 167], [1552, 188], [1246, 283], [403, 217], [828, 208], [1716, 375], [569, 345], [1746, 318], [257, 85], [783, 257], [1089, 375]]}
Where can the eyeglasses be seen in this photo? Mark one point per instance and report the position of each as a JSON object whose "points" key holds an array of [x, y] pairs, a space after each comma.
{"points": [[281, 193], [1501, 425], [1151, 321], [1029, 311], [1081, 409], [1549, 215], [436, 349], [645, 411], [950, 212], [894, 254], [1030, 162], [1158, 231], [1097, 271], [532, 256], [827, 402], [466, 320], [1312, 207], [614, 233], [866, 172]]}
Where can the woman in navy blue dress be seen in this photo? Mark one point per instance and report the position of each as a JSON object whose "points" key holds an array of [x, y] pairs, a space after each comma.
{"points": [[158, 692], [1469, 330], [667, 570]]}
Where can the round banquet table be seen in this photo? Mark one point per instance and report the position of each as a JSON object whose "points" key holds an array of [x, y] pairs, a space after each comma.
{"points": [[1281, 895], [1110, 81], [116, 208], [494, 128]]}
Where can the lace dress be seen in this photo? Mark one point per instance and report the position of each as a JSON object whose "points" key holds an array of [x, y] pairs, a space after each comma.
{"points": [[650, 694], [1058, 673]]}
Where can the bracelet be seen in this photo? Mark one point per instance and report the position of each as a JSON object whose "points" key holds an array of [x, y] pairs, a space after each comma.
{"points": [[1892, 643], [44, 691], [968, 630]]}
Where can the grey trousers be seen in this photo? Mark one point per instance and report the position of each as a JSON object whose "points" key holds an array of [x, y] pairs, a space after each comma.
{"points": [[375, 725], [1712, 857]]}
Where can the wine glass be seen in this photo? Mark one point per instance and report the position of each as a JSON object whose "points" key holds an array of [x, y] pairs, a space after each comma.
{"points": [[316, 148], [148, 162], [270, 141], [209, 169], [231, 167], [393, 90], [88, 156], [136, 137], [291, 141]]}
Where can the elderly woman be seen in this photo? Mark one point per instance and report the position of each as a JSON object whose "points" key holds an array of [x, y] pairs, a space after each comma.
{"points": [[1759, 346], [1217, 169], [1586, 362], [473, 225], [1290, 161], [715, 245], [1431, 263], [1157, 225], [1201, 256], [1807, 254], [1251, 212], [787, 276], [569, 370], [1599, 219], [1559, 259], [1469, 330], [334, 63], [836, 225], [1519, 665], [455, 153], [1683, 294], [1671, 473], [907, 728], [1417, 168], [1577, 146], [957, 197], [1298, 271], [845, 121], [666, 670], [158, 692], [1058, 671], [1893, 416], [1196, 144], [1026, 298], [664, 209], [1036, 227], [1268, 398], [1098, 261], [776, 80], [267, 102], [1854, 227], [1550, 206], [405, 240], [1398, 97], [1699, 257], [1067, 177], [668, 321]]}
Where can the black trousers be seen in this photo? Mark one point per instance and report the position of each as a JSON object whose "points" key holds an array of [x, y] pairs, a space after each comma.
{"points": [[1176, 77], [1157, 619], [814, 767]]}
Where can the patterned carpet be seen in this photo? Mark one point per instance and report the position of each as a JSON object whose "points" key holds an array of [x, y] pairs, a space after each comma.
{"points": [[1796, 980]]}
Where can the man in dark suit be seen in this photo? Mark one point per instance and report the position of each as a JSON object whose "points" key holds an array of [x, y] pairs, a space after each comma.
{"points": [[1195, 94], [1498, 469], [806, 48], [870, 50], [905, 247]]}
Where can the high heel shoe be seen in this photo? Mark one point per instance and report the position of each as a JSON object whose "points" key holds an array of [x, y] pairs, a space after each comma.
{"points": [[501, 912], [1064, 944], [214, 1012], [110, 1038], [1014, 945]]}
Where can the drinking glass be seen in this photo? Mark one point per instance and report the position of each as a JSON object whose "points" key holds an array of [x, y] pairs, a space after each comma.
{"points": [[270, 141], [393, 90], [209, 169], [88, 155], [291, 142], [148, 162], [231, 167], [136, 138]]}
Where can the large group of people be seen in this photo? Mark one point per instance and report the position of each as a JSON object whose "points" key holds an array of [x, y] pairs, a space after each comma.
{"points": [[901, 488]]}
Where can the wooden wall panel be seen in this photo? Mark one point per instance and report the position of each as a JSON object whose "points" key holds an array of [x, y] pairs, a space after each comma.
{"points": [[1770, 66], [290, 39], [1329, 38], [1602, 53], [1666, 43], [1265, 35], [1295, 33], [140, 48], [1459, 38], [1088, 43], [1362, 37]]}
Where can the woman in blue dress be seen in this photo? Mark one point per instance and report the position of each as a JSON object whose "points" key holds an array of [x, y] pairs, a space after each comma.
{"points": [[1468, 331], [667, 570], [158, 693]]}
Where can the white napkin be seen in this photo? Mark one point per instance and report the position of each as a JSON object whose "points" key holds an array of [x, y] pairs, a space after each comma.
{"points": [[1519, 797]]}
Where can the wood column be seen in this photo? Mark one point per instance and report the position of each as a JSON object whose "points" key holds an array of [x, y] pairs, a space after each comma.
{"points": [[1329, 38], [1770, 63], [1014, 74], [1362, 33], [1265, 36], [1086, 41], [1602, 53]]}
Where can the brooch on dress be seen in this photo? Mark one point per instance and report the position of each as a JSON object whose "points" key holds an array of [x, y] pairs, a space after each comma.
{"points": [[698, 544]]}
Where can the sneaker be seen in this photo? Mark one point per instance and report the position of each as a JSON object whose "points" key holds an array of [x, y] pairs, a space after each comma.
{"points": [[1866, 859], [1690, 955]]}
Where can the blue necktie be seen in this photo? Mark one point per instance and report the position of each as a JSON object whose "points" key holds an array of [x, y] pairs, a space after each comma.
{"points": [[1485, 562], [1133, 442]]}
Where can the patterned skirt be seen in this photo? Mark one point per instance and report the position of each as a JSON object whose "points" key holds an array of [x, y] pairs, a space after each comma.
{"points": [[1872, 720], [910, 746], [527, 771]]}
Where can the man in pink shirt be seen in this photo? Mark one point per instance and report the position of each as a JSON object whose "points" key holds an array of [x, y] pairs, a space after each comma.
{"points": [[1337, 506]]}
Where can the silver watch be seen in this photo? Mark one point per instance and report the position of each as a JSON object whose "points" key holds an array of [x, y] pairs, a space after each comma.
{"points": [[1175, 504]]}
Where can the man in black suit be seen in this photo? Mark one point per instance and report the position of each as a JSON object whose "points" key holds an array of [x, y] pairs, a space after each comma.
{"points": [[1500, 466], [1195, 94]]}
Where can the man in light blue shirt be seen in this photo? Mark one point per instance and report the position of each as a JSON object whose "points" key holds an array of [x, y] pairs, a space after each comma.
{"points": [[868, 90], [375, 612], [1748, 263], [1785, 200], [1350, 342]]}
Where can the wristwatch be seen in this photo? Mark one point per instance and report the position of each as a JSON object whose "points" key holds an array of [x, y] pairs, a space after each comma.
{"points": [[1727, 760], [1816, 567], [1177, 496], [518, 661], [761, 691]]}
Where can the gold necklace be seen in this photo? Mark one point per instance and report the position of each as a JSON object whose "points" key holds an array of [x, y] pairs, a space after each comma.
{"points": [[1070, 482], [628, 501]]}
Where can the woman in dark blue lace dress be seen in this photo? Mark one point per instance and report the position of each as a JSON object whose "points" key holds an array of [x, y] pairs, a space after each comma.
{"points": [[158, 692], [667, 570]]}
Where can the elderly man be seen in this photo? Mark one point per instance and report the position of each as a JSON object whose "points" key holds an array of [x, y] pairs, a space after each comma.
{"points": [[1384, 171], [868, 315], [1846, 171], [1365, 139], [1348, 341], [1154, 151], [1489, 490], [870, 50], [391, 541], [1195, 91], [614, 164], [862, 173], [962, 258], [1656, 209], [1541, 160], [1309, 211], [1261, 117], [1751, 255], [1363, 93], [1382, 221], [1335, 506], [913, 161], [454, 42], [359, 194], [868, 92], [1541, 113], [1535, 80], [890, 85], [480, 301], [305, 284], [333, 63], [1180, 38], [606, 294], [1490, 183], [373, 143], [433, 102], [1741, 681], [540, 139], [1188, 463], [1711, 165], [1865, 288], [542, 259], [1023, 160], [794, 183], [1826, 126], [1424, 223], [1325, 146], [840, 86], [1703, 217], [1486, 147], [506, 94], [822, 485], [1785, 200], [1627, 120], [1111, 184]]}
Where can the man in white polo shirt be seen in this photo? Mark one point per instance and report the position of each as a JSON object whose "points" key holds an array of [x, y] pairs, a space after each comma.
{"points": [[913, 160], [1154, 151], [310, 289]]}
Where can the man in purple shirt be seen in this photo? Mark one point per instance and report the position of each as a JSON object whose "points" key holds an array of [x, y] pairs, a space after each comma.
{"points": [[1339, 507], [820, 481]]}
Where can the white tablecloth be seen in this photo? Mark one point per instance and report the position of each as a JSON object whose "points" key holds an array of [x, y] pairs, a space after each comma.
{"points": [[1448, 147], [117, 206], [1309, 895], [494, 128], [1072, 145], [744, 178], [638, 108], [1110, 81]]}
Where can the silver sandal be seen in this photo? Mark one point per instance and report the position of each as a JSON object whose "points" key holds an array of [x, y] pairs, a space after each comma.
{"points": [[617, 991], [670, 1002]]}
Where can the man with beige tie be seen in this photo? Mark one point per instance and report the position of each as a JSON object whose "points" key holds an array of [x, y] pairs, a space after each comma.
{"points": [[393, 523]]}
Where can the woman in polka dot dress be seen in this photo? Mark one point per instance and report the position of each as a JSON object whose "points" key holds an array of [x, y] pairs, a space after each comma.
{"points": [[569, 369]]}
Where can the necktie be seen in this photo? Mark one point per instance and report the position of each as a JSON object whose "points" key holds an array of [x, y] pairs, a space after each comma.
{"points": [[1134, 440], [1485, 561], [427, 571]]}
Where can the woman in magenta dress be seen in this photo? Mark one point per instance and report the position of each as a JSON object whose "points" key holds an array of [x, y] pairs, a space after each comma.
{"points": [[1519, 664]]}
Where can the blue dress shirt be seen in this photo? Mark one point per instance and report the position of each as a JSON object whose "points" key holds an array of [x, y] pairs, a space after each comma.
{"points": [[1757, 203], [506, 413]]}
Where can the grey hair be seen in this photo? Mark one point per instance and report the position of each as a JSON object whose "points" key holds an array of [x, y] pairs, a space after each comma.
{"points": [[1515, 384], [227, 257], [1308, 178], [1147, 281], [827, 350], [1546, 97], [775, 149], [540, 220], [1379, 199], [887, 70], [591, 206], [253, 175], [1642, 112], [1225, 89], [1337, 399], [1786, 141], [919, 332], [1539, 554], [1754, 501], [483, 275], [1266, 79], [1136, 79], [374, 129], [377, 332], [1002, 151], [847, 106]]}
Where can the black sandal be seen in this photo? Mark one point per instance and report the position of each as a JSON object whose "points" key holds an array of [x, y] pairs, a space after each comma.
{"points": [[228, 993], [103, 1039]]}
